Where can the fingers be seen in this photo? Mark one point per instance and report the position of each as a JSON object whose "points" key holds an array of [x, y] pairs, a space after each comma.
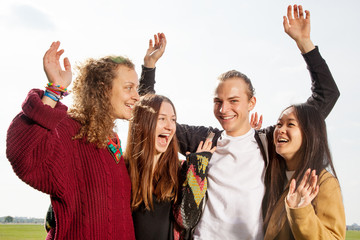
{"points": [[307, 14], [292, 186], [304, 180], [286, 24], [156, 40], [206, 146], [315, 192], [162, 41], [67, 65], [150, 43], [301, 13], [253, 119], [52, 53], [260, 121], [313, 180], [200, 147], [256, 118], [289, 13], [296, 12], [58, 54]]}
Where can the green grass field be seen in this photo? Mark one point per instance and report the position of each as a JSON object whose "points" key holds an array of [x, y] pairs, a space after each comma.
{"points": [[37, 232], [352, 235], [23, 232]]}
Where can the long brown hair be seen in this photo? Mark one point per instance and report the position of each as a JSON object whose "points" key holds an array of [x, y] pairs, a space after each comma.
{"points": [[140, 152], [92, 94], [314, 153]]}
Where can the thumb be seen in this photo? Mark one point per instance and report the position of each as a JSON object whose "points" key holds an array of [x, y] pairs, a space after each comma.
{"points": [[67, 65], [286, 24]]}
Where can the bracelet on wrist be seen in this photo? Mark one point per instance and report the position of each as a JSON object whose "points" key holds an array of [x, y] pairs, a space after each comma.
{"points": [[57, 90], [51, 95]]}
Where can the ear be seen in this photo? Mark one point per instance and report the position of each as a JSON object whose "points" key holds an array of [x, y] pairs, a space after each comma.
{"points": [[252, 103]]}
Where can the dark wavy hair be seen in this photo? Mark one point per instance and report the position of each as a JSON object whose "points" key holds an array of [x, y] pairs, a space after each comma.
{"points": [[92, 93], [314, 153], [139, 156]]}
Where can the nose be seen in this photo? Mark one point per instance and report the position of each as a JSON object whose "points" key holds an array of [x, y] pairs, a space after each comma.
{"points": [[282, 129], [224, 107], [136, 95], [170, 125]]}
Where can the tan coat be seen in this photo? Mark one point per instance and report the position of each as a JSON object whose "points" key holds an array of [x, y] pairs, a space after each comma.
{"points": [[323, 219]]}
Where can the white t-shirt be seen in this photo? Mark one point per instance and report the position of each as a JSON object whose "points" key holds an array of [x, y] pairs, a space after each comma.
{"points": [[235, 190]]}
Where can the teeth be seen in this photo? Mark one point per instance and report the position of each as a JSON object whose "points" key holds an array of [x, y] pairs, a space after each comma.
{"points": [[225, 118], [282, 140], [130, 106]]}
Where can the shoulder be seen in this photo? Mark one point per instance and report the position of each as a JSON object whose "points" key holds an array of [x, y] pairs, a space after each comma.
{"points": [[327, 179], [329, 187]]}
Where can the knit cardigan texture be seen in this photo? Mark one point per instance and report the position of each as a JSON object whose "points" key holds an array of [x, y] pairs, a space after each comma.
{"points": [[89, 191]]}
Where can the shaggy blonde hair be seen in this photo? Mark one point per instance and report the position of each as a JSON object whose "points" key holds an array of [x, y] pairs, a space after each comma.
{"points": [[92, 93]]}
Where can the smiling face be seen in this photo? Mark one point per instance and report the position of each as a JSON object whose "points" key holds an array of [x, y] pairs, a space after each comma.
{"points": [[124, 92], [288, 137], [165, 127], [232, 106]]}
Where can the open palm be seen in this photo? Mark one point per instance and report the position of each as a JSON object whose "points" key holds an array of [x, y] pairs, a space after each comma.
{"points": [[305, 192], [52, 67]]}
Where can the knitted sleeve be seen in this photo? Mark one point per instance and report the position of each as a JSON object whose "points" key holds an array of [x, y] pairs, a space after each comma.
{"points": [[33, 144], [187, 211], [324, 218]]}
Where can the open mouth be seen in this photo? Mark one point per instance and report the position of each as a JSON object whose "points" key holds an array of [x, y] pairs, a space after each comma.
{"points": [[282, 140], [163, 138], [131, 106]]}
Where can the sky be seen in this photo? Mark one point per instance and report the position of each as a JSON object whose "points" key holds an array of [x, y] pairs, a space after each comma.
{"points": [[205, 39]]}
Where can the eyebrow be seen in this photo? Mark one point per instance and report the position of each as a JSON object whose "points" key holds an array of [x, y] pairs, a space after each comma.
{"points": [[131, 83], [289, 119], [230, 98]]}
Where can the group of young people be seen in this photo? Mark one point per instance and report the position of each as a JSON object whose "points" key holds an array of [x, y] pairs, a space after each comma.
{"points": [[241, 182]]}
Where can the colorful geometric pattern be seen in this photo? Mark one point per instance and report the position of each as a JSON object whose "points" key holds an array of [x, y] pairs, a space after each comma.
{"points": [[115, 148], [196, 184]]}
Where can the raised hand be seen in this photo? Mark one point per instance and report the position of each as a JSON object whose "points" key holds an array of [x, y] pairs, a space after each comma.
{"points": [[305, 192], [52, 67], [297, 26], [155, 50], [255, 124], [206, 146]]}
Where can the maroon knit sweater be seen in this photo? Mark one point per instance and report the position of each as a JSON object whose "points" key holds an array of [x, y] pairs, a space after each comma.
{"points": [[89, 192]]}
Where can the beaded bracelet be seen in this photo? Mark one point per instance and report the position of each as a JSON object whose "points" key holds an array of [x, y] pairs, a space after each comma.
{"points": [[51, 95], [57, 90]]}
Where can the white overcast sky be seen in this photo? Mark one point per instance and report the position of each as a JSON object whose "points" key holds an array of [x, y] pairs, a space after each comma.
{"points": [[205, 38]]}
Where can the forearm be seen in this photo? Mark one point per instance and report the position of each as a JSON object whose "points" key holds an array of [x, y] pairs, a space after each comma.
{"points": [[193, 184], [305, 45], [147, 81], [31, 144], [324, 89]]}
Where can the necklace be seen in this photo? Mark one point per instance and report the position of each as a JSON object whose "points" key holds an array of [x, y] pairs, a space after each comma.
{"points": [[115, 148]]}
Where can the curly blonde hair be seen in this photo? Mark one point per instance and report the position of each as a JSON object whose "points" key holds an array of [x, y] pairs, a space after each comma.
{"points": [[92, 93]]}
